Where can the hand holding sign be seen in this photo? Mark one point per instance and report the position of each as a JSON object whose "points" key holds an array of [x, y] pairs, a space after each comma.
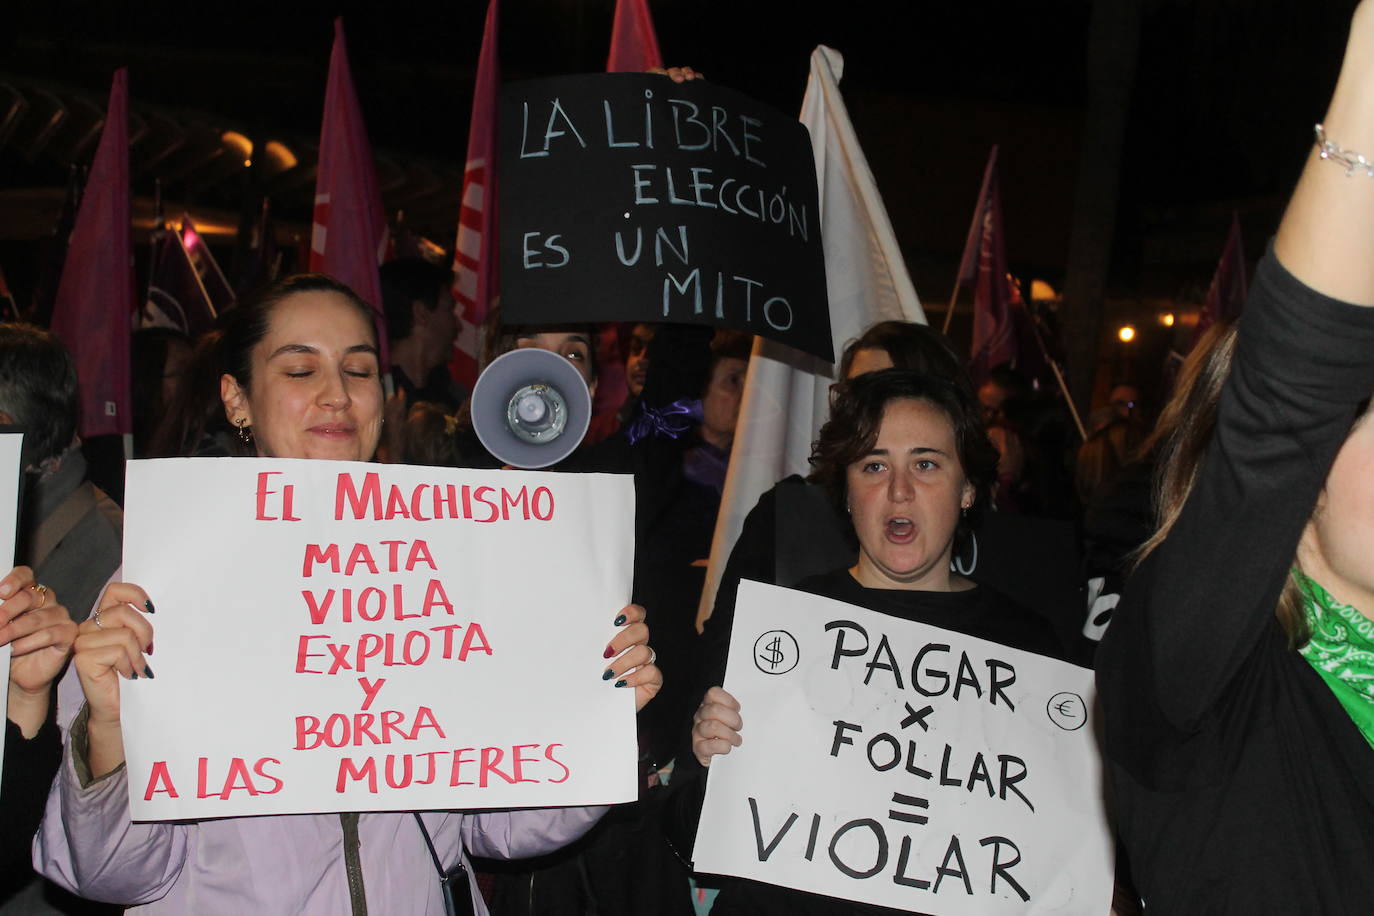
{"points": [[634, 660], [39, 633], [716, 725], [111, 645]]}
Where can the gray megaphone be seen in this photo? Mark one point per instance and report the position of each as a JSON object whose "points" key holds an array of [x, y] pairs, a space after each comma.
{"points": [[531, 408]]}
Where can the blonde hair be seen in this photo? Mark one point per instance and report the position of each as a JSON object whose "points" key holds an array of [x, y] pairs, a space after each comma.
{"points": [[1180, 441]]}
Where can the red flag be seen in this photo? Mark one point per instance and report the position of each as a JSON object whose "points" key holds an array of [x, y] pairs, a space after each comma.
{"points": [[1226, 294], [349, 232], [634, 46], [994, 295], [94, 309], [475, 280]]}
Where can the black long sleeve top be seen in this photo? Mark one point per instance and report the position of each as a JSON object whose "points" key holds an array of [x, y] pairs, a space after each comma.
{"points": [[1240, 783]]}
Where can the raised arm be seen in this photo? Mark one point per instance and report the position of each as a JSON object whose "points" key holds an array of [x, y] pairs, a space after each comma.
{"points": [[1324, 237], [1304, 361]]}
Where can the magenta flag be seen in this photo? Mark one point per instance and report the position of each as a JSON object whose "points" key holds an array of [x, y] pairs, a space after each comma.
{"points": [[1227, 292], [176, 296], [985, 263], [475, 280], [349, 231], [634, 46], [207, 268], [94, 310]]}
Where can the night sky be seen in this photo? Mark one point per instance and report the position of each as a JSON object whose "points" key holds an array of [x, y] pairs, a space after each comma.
{"points": [[1225, 94]]}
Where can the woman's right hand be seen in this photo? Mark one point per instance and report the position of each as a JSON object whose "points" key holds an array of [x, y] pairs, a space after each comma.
{"points": [[716, 726], [111, 643]]}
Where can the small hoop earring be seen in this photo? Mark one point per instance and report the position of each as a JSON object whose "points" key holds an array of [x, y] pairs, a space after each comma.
{"points": [[245, 431]]}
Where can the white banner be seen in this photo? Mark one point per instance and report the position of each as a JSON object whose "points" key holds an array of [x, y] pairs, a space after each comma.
{"points": [[903, 765], [11, 466], [338, 636]]}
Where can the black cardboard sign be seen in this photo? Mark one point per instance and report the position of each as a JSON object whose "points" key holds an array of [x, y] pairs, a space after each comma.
{"points": [[627, 197]]}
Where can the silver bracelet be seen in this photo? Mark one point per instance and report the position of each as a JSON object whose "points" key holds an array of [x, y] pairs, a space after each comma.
{"points": [[1346, 157]]}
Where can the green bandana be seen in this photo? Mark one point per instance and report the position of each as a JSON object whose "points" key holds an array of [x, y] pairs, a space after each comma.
{"points": [[1342, 651]]}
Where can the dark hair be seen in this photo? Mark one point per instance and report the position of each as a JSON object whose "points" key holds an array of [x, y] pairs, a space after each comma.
{"points": [[856, 416], [727, 344], [427, 436], [502, 338], [198, 411], [404, 282], [917, 347], [731, 344], [151, 347], [38, 389]]}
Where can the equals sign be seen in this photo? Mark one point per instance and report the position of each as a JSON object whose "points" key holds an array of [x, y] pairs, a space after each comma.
{"points": [[909, 817]]}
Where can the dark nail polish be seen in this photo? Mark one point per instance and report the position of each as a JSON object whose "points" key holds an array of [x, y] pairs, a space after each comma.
{"points": [[610, 651], [620, 683], [149, 605], [620, 621], [150, 648], [148, 671], [133, 675], [608, 675]]}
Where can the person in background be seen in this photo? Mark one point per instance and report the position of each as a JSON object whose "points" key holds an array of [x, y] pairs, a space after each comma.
{"points": [[160, 360], [421, 328], [637, 358], [39, 632], [70, 532]]}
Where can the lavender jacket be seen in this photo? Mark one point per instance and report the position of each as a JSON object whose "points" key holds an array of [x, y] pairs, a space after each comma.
{"points": [[283, 864]]}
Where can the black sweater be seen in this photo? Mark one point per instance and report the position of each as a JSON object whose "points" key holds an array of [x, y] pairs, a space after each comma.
{"points": [[29, 767], [1240, 783]]}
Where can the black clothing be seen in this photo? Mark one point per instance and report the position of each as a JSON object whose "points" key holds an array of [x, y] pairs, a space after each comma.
{"points": [[979, 612], [1240, 783], [29, 768], [438, 388]]}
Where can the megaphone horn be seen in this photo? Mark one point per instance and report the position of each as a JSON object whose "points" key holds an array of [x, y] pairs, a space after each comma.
{"points": [[530, 408]]}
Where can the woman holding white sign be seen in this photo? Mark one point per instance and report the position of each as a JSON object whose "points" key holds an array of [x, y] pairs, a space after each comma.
{"points": [[1236, 673], [906, 458], [301, 381]]}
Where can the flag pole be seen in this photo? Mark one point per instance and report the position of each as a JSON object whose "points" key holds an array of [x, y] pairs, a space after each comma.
{"points": [[949, 312], [1058, 375]]}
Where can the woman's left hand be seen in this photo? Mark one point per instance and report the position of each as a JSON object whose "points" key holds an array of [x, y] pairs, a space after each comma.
{"points": [[633, 660]]}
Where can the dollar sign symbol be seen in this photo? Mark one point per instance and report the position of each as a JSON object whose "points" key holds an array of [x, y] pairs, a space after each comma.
{"points": [[773, 654]]}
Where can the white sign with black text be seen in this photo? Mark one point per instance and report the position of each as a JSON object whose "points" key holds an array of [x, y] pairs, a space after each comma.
{"points": [[903, 765]]}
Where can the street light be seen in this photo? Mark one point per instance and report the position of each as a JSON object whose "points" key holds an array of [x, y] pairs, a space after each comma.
{"points": [[1127, 333]]}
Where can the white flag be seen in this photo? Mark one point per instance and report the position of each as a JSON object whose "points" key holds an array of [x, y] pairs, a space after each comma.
{"points": [[787, 394]]}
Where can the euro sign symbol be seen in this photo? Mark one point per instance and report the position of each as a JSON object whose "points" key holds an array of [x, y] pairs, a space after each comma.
{"points": [[1065, 707], [772, 653]]}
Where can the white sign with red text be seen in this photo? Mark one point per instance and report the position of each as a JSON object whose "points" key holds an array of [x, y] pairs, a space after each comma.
{"points": [[903, 765], [339, 636]]}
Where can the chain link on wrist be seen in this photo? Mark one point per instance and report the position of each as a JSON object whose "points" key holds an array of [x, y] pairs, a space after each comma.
{"points": [[1346, 157]]}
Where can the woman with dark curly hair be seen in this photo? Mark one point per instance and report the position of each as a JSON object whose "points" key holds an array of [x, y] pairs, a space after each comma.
{"points": [[905, 457]]}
